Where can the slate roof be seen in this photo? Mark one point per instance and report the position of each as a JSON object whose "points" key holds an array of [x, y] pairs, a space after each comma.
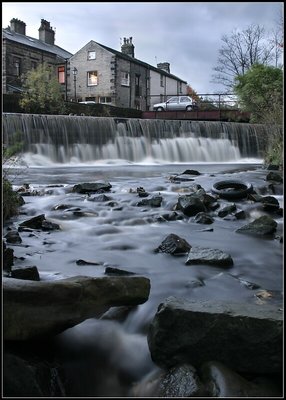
{"points": [[36, 43], [136, 61]]}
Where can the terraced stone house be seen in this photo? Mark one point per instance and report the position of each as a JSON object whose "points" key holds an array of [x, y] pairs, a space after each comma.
{"points": [[95, 73]]}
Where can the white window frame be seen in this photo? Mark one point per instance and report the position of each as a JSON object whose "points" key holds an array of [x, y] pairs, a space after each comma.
{"points": [[92, 78], [125, 78], [102, 99], [91, 55]]}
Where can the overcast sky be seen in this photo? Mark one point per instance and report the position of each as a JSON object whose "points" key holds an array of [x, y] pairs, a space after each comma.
{"points": [[185, 34]]}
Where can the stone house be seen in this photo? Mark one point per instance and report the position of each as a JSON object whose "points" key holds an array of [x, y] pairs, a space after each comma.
{"points": [[95, 73], [105, 75], [22, 53]]}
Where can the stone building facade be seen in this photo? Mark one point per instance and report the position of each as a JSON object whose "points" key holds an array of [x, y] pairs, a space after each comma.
{"points": [[22, 53], [94, 73], [105, 75]]}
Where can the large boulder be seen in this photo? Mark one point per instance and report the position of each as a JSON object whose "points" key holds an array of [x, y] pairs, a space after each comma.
{"points": [[203, 255], [246, 337], [92, 187], [261, 226], [190, 205], [173, 244], [33, 309]]}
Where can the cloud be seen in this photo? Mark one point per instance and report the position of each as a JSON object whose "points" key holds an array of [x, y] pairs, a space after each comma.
{"points": [[185, 34]]}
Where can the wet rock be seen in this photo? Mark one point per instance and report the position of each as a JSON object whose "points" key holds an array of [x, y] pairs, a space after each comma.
{"points": [[203, 218], [38, 222], [241, 214], [277, 189], [61, 207], [261, 226], [246, 337], [34, 223], [117, 272], [173, 244], [141, 192], [28, 273], [270, 203], [273, 167], [191, 172], [221, 381], [202, 255], [8, 257], [181, 178], [30, 377], [226, 210], [92, 187], [66, 302], [50, 226], [190, 205], [155, 201], [179, 381], [13, 237], [100, 198], [274, 176], [83, 262], [173, 216]]}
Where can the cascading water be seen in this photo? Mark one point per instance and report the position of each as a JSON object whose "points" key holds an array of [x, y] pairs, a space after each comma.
{"points": [[78, 139]]}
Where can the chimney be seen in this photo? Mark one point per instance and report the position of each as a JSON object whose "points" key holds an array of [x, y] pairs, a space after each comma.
{"points": [[46, 32], [128, 47], [164, 66], [18, 26]]}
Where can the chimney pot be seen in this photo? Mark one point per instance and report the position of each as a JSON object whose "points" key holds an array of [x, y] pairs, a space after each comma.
{"points": [[18, 26], [128, 47], [46, 32]]}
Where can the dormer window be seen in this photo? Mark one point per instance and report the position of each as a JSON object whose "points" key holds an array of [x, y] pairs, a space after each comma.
{"points": [[91, 55]]}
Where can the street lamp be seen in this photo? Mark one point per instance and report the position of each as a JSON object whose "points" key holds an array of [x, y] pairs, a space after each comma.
{"points": [[74, 71]]}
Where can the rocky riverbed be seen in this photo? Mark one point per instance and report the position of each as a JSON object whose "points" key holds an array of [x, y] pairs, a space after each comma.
{"points": [[110, 271]]}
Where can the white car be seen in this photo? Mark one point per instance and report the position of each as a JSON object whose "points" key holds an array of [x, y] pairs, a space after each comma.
{"points": [[175, 103]]}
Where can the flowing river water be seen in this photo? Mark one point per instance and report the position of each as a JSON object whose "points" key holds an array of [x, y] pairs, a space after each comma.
{"points": [[119, 233]]}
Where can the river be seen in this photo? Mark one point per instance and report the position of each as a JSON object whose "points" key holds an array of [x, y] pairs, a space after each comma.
{"points": [[121, 234]]}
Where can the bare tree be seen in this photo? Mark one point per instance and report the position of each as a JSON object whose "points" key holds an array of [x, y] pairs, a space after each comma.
{"points": [[239, 52], [277, 40]]}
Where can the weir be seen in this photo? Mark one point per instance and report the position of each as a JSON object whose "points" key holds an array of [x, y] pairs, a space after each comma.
{"points": [[81, 139]]}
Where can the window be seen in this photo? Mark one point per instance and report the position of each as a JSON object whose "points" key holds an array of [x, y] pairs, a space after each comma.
{"points": [[92, 78], [184, 99], [61, 74], [137, 85], [105, 99], [173, 100], [125, 79], [91, 55], [180, 87], [17, 66], [162, 80], [33, 64]]}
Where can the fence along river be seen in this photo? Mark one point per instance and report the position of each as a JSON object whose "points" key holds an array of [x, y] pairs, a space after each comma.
{"points": [[63, 139]]}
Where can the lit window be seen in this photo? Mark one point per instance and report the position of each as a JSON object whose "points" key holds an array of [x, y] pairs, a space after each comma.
{"points": [[91, 55], [125, 79], [92, 78], [61, 74]]}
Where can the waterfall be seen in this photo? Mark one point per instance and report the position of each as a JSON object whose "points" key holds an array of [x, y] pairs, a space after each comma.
{"points": [[80, 139]]}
